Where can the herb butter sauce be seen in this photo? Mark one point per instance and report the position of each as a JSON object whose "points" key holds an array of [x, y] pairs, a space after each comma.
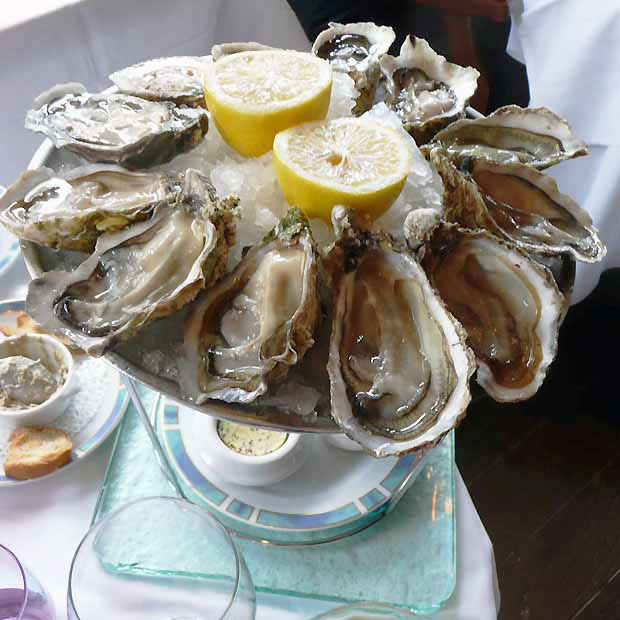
{"points": [[249, 440]]}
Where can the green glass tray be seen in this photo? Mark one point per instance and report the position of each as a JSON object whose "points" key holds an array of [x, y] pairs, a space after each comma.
{"points": [[406, 559]]}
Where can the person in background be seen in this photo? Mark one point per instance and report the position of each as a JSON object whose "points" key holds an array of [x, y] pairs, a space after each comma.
{"points": [[467, 32], [577, 75]]}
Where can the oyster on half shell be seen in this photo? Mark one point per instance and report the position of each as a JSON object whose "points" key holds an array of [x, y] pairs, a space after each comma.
{"points": [[509, 305], [564, 269], [116, 128], [425, 90], [245, 333], [534, 136], [398, 365], [517, 202], [179, 79], [70, 210], [355, 49], [136, 275]]}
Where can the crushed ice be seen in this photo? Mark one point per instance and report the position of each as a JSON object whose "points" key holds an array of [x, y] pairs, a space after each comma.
{"points": [[263, 204]]}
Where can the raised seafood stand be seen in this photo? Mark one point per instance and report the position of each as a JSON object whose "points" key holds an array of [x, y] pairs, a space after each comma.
{"points": [[336, 301]]}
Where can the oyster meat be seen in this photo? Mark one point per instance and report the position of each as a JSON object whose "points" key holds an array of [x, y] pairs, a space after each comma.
{"points": [[509, 305], [178, 78], [245, 333], [355, 49], [517, 202], [116, 128], [149, 270], [398, 365], [425, 90], [70, 210], [534, 136]]}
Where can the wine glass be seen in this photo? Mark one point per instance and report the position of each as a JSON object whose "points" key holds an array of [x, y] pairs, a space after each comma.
{"points": [[159, 558], [22, 597]]}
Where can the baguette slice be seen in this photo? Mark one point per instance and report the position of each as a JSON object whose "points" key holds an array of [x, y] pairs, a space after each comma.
{"points": [[36, 451]]}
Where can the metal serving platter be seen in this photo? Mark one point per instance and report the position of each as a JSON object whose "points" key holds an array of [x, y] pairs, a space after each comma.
{"points": [[161, 335]]}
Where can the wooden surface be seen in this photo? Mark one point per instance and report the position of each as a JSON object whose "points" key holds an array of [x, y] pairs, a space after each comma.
{"points": [[545, 474]]}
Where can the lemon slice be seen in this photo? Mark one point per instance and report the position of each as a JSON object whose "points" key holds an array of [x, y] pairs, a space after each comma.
{"points": [[254, 95], [360, 163]]}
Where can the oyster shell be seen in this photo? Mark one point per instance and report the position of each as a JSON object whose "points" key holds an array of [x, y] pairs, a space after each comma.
{"points": [[564, 269], [355, 49], [534, 136], [419, 225], [179, 79], [116, 128], [398, 365], [425, 90], [508, 304], [136, 275], [70, 210], [245, 333], [518, 203], [225, 49]]}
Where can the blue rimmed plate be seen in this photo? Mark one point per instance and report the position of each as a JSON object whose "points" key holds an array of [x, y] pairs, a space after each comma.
{"points": [[108, 406], [9, 248], [335, 494]]}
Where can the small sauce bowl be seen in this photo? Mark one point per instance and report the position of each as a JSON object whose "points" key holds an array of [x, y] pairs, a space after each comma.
{"points": [[251, 470], [55, 356]]}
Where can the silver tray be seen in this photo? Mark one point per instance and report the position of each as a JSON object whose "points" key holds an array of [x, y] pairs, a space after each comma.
{"points": [[160, 335], [164, 332]]}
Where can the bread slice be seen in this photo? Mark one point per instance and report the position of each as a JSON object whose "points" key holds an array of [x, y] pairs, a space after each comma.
{"points": [[36, 451]]}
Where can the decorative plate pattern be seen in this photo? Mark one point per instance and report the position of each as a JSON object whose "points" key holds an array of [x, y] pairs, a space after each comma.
{"points": [[369, 490], [9, 248]]}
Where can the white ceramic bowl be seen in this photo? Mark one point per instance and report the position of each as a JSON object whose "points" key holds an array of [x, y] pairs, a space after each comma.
{"points": [[251, 470], [54, 355]]}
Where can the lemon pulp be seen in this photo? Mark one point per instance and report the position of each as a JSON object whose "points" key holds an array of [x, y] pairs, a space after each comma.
{"points": [[256, 94], [360, 163]]}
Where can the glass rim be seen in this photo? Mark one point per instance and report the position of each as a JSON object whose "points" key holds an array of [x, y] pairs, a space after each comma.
{"points": [[24, 580], [166, 498]]}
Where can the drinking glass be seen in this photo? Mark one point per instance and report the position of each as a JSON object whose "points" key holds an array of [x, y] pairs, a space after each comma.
{"points": [[159, 558], [22, 597]]}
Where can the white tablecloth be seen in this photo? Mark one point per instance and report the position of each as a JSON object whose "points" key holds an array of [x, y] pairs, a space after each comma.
{"points": [[85, 41], [570, 49]]}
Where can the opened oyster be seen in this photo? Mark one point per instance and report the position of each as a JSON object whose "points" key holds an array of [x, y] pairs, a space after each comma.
{"points": [[355, 49], [70, 210], [508, 304], [516, 202], [225, 49], [116, 128], [179, 79], [425, 90], [398, 365], [245, 333], [534, 136], [564, 269], [144, 272]]}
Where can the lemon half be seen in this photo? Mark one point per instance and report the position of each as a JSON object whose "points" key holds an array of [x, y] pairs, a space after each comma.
{"points": [[360, 163], [254, 95]]}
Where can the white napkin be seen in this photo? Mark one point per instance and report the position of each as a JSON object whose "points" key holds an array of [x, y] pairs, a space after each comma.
{"points": [[570, 49]]}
